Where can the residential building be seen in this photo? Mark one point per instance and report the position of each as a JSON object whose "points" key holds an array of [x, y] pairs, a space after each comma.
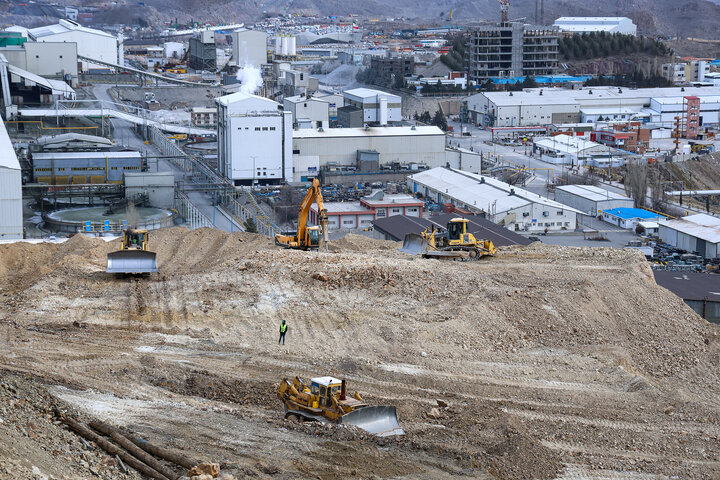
{"points": [[203, 117], [686, 72], [254, 140], [621, 25], [11, 207], [590, 199], [628, 218], [376, 107], [398, 66], [511, 49], [249, 47], [308, 112], [503, 204], [695, 233]]}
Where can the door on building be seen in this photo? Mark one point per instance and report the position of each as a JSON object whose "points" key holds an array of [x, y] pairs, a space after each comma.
{"points": [[701, 247]]}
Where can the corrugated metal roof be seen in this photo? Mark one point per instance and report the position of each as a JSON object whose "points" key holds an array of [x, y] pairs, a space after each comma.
{"points": [[591, 192], [367, 132], [567, 144], [64, 26], [690, 285], [7, 152], [81, 155], [702, 226], [368, 93], [481, 192], [56, 86], [626, 213]]}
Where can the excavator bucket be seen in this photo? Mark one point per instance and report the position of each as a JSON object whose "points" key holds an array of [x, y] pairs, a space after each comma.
{"points": [[414, 244], [381, 420], [131, 261]]}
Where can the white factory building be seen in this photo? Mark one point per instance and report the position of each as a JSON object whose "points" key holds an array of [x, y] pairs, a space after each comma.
{"points": [[313, 149], [547, 106], [504, 204], [249, 47], [694, 233], [11, 215], [52, 60], [308, 112], [90, 42], [590, 199], [568, 150], [372, 106], [596, 25], [254, 140]]}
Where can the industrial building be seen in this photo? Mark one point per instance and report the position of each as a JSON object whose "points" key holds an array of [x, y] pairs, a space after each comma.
{"points": [[546, 106], [568, 150], [19, 87], [203, 55], [11, 208], [695, 233], [308, 112], [690, 71], [510, 49], [249, 47], [698, 290], [367, 106], [90, 42], [621, 25], [503, 204], [77, 168], [590, 199], [335, 101], [399, 66], [53, 60], [362, 214], [254, 140], [313, 149], [158, 187], [629, 217]]}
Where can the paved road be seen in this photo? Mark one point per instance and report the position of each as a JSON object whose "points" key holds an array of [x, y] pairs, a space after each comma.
{"points": [[124, 134]]}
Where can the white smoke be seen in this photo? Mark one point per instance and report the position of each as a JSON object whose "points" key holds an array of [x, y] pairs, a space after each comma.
{"points": [[251, 79]]}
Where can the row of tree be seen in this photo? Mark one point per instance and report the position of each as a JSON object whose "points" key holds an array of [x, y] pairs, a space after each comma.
{"points": [[637, 79], [438, 119], [598, 45], [455, 58]]}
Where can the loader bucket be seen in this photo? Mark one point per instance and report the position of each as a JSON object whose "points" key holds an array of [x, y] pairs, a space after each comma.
{"points": [[414, 244], [381, 421], [131, 261]]}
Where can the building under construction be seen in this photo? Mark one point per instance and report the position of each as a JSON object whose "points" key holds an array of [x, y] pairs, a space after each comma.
{"points": [[510, 49]]}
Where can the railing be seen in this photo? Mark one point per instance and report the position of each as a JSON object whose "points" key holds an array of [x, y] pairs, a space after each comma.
{"points": [[194, 218]]}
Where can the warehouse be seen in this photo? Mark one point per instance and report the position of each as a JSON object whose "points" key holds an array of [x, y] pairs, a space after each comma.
{"points": [[629, 218], [695, 233], [590, 199], [64, 168], [621, 25], [313, 149], [568, 150], [506, 205], [699, 291], [11, 216], [91, 43], [546, 106], [254, 140]]}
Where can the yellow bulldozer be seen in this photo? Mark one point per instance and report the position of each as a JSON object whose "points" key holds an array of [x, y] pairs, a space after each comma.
{"points": [[453, 244], [134, 255], [324, 399]]}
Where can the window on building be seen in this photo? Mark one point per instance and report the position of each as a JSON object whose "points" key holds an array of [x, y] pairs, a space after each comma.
{"points": [[296, 152], [257, 129], [265, 129], [272, 129], [395, 210], [347, 222]]}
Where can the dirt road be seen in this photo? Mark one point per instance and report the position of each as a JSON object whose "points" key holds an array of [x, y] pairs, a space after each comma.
{"points": [[554, 362]]}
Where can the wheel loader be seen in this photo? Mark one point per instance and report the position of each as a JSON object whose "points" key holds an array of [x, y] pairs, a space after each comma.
{"points": [[453, 244], [134, 255], [324, 399]]}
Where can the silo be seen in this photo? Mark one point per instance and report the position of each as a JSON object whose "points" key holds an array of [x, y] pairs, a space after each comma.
{"points": [[292, 51]]}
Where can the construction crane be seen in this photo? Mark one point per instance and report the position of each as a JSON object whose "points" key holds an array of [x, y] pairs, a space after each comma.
{"points": [[504, 8], [324, 399], [307, 238]]}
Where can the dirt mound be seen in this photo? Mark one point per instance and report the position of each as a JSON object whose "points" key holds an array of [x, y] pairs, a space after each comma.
{"points": [[360, 243]]}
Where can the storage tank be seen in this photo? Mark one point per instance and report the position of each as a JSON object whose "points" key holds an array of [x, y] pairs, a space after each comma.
{"points": [[292, 42], [383, 111], [278, 45]]}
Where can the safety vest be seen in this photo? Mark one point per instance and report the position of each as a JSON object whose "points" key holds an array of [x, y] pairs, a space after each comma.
{"points": [[283, 328]]}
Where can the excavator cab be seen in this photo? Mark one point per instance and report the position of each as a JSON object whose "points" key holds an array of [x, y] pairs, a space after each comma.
{"points": [[457, 228], [312, 239]]}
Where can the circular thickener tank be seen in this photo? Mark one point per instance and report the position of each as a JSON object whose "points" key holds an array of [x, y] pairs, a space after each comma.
{"points": [[74, 219]]}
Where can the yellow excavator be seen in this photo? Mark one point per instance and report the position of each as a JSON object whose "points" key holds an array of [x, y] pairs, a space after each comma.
{"points": [[324, 399], [453, 244], [134, 255], [307, 238]]}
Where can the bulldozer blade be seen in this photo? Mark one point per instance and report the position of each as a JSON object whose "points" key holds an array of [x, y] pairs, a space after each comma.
{"points": [[414, 244], [381, 420], [131, 261]]}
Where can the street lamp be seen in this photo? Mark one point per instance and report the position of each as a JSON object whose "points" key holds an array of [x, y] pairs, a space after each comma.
{"points": [[254, 157]]}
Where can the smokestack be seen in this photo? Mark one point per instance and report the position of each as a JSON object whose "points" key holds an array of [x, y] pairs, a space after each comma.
{"points": [[342, 390]]}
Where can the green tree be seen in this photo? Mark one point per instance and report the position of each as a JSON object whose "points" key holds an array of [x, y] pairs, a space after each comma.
{"points": [[439, 120], [250, 225]]}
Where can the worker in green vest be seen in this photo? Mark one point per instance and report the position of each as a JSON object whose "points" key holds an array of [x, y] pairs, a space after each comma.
{"points": [[283, 329]]}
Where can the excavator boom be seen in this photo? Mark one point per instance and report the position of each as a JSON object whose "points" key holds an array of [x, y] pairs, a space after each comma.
{"points": [[307, 237]]}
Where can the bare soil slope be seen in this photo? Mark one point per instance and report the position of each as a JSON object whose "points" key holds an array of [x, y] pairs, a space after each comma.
{"points": [[553, 362]]}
